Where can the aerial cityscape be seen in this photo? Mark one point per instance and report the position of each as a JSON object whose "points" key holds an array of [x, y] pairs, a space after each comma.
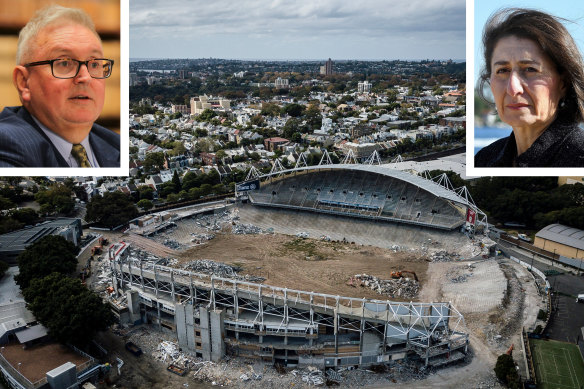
{"points": [[296, 213]]}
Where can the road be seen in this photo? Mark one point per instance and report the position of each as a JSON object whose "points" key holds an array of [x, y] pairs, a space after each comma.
{"points": [[568, 315]]}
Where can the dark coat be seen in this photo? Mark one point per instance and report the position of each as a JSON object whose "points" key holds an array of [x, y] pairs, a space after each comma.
{"points": [[24, 144], [561, 145]]}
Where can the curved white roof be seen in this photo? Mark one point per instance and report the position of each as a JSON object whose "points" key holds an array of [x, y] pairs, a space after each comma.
{"points": [[430, 186]]}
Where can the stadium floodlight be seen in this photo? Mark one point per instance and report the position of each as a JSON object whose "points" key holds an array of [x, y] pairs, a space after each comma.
{"points": [[326, 158], [397, 159], [253, 173], [301, 162], [350, 158], [373, 159], [277, 167]]}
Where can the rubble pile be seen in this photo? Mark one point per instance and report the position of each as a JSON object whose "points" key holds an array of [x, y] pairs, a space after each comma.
{"points": [[171, 243], [168, 352], [250, 229], [207, 266], [201, 238], [313, 376], [444, 256], [400, 287], [461, 278]]}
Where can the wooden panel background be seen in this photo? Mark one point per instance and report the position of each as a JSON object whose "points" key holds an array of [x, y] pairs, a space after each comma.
{"points": [[106, 16]]}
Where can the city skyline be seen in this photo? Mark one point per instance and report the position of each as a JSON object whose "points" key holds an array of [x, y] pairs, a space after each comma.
{"points": [[254, 30]]}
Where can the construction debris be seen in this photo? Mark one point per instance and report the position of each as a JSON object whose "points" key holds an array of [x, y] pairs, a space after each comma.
{"points": [[461, 278], [168, 352], [444, 256], [401, 287], [201, 238], [207, 266], [250, 229]]}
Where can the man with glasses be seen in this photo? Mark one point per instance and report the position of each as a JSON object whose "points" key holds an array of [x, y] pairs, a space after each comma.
{"points": [[60, 76]]}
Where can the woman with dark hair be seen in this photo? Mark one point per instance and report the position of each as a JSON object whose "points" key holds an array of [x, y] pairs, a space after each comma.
{"points": [[536, 75]]}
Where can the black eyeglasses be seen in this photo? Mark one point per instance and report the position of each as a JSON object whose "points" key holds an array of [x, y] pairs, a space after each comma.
{"points": [[69, 68]]}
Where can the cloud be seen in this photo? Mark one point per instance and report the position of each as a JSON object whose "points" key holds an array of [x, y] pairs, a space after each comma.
{"points": [[297, 21]]}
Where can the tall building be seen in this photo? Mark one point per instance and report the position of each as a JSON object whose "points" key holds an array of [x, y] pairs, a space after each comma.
{"points": [[364, 86], [281, 83], [327, 68]]}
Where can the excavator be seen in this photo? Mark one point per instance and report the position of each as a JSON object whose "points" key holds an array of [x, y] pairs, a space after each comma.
{"points": [[400, 274]]}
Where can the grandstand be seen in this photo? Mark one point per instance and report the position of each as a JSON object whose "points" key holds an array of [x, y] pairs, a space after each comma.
{"points": [[364, 191]]}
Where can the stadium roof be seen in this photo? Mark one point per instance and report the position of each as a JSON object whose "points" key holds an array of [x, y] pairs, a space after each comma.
{"points": [[430, 186], [565, 235]]}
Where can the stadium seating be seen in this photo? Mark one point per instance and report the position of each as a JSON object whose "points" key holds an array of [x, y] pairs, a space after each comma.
{"points": [[359, 193]]}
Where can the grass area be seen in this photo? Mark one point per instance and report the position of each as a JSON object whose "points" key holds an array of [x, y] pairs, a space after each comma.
{"points": [[558, 365]]}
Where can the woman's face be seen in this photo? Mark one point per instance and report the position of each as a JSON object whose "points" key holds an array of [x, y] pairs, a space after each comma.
{"points": [[525, 84]]}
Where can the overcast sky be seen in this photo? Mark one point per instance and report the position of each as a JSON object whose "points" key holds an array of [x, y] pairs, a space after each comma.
{"points": [[298, 29]]}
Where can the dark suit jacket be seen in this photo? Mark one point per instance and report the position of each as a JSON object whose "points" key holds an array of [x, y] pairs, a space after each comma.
{"points": [[24, 144], [560, 145]]}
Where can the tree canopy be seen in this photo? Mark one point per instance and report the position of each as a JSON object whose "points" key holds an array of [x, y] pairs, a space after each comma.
{"points": [[56, 199], [52, 253], [70, 312], [111, 210]]}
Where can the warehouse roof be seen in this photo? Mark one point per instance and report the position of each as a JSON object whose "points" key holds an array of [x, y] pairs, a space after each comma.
{"points": [[565, 235]]}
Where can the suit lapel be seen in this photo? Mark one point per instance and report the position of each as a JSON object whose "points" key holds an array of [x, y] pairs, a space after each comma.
{"points": [[52, 158], [106, 154]]}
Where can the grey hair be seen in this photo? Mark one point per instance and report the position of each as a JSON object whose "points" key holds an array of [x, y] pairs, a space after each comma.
{"points": [[47, 16]]}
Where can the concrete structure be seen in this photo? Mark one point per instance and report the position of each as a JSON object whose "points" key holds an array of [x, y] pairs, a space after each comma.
{"points": [[15, 242], [214, 316], [281, 83], [201, 103], [183, 109], [562, 240], [371, 192], [364, 86], [327, 68], [272, 144]]}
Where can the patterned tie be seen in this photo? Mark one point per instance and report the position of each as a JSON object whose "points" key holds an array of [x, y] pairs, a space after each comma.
{"points": [[78, 152]]}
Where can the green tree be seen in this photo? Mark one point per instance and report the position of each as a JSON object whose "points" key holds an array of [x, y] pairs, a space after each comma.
{"points": [[56, 199], [3, 268], [292, 125], [257, 120], [146, 192], [145, 204], [313, 116], [294, 110], [206, 115], [6, 203], [70, 312], [176, 182], [111, 210], [270, 109], [505, 371], [25, 215], [52, 253], [154, 160]]}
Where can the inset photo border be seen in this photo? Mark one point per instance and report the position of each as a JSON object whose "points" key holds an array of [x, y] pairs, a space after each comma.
{"points": [[485, 126], [111, 18]]}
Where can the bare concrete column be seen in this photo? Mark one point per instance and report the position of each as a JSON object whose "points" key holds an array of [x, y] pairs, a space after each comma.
{"points": [[216, 318], [181, 329], [133, 305], [205, 328]]}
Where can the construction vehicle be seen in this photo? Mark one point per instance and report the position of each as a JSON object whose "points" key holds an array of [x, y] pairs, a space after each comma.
{"points": [[176, 370], [400, 274], [133, 348]]}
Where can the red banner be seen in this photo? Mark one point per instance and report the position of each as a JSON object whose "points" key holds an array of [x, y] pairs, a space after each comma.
{"points": [[470, 216]]}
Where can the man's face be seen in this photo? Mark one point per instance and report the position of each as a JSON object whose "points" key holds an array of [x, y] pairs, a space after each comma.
{"points": [[68, 107]]}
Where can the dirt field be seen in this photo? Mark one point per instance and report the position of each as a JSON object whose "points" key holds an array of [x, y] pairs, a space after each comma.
{"points": [[307, 264]]}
